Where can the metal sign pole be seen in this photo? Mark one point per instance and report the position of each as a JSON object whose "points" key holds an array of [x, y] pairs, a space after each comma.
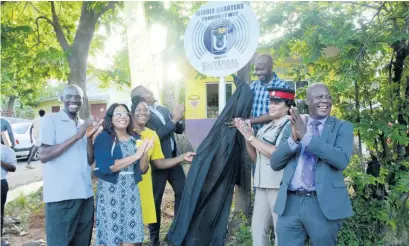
{"points": [[222, 94]]}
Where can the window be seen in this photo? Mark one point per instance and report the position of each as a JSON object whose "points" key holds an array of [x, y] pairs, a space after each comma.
{"points": [[55, 109], [296, 85], [212, 98]]}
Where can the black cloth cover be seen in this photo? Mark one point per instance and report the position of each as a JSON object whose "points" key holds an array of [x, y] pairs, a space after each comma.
{"points": [[207, 197]]}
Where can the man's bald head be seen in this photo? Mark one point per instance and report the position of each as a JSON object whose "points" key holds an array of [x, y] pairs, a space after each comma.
{"points": [[312, 87], [263, 66], [69, 89], [266, 58], [138, 91], [142, 91], [319, 101], [72, 98]]}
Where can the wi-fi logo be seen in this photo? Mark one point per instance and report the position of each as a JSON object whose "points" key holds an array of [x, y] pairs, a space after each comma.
{"points": [[220, 37], [243, 31], [197, 40]]}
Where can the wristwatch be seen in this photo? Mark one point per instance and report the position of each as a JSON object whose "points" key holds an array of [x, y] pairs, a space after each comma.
{"points": [[251, 138]]}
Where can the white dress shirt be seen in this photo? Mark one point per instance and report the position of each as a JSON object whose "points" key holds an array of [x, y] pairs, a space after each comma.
{"points": [[154, 109]]}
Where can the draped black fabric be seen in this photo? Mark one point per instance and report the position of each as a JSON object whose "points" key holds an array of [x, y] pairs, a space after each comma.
{"points": [[207, 197]]}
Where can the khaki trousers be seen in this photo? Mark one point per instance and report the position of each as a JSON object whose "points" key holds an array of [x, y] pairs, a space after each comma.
{"points": [[263, 216]]}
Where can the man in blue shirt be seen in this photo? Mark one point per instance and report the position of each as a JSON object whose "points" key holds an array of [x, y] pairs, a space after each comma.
{"points": [[266, 78], [263, 67]]}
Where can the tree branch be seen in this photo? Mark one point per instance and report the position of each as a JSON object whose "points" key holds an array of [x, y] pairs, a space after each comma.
{"points": [[58, 30], [38, 27], [110, 5], [378, 11], [361, 4], [40, 12]]}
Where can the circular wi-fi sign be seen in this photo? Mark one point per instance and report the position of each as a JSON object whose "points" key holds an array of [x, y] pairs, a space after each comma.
{"points": [[221, 38]]}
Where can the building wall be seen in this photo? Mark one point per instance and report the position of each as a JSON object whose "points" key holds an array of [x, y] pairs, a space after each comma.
{"points": [[198, 124], [47, 106], [196, 98]]}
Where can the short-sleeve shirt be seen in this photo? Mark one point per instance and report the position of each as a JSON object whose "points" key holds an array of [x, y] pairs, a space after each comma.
{"points": [[7, 155], [36, 127], [264, 176], [261, 98], [145, 186], [67, 176]]}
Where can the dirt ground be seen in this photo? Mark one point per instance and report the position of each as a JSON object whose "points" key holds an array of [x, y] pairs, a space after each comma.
{"points": [[36, 228]]}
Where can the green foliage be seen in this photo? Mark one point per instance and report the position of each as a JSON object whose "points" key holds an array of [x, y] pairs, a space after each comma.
{"points": [[376, 221], [41, 39], [356, 48], [240, 231], [24, 206], [175, 16]]}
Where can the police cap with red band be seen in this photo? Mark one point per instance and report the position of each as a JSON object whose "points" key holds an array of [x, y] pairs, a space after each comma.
{"points": [[279, 94]]}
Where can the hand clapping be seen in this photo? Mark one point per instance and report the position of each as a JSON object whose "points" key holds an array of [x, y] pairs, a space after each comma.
{"points": [[89, 128], [144, 147], [298, 126], [244, 127]]}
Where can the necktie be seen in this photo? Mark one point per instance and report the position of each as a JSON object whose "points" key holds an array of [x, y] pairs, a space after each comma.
{"points": [[310, 159]]}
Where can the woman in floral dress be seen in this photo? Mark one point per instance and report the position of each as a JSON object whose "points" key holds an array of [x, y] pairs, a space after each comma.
{"points": [[119, 166]]}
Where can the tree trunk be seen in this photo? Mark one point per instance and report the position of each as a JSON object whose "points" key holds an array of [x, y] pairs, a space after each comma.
{"points": [[77, 53], [357, 107], [10, 106], [78, 76], [402, 51], [243, 192], [406, 108], [78, 59]]}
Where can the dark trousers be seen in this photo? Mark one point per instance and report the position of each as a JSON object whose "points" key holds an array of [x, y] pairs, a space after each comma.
{"points": [[4, 191], [177, 179], [33, 151], [70, 222]]}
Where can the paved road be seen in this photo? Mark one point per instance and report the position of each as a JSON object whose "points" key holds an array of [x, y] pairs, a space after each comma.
{"points": [[24, 176]]}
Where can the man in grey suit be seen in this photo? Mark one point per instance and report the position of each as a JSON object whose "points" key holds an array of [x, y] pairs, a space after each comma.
{"points": [[313, 199]]}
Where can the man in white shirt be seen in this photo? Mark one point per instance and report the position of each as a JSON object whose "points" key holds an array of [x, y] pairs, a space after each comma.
{"points": [[67, 153], [8, 164], [34, 133]]}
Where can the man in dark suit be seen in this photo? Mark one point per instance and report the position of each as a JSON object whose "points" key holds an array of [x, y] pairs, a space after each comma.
{"points": [[313, 199], [165, 124]]}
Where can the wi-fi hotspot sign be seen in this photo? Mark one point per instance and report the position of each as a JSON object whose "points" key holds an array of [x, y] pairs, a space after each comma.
{"points": [[221, 38]]}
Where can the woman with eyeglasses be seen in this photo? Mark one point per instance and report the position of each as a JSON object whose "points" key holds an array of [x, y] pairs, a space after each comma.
{"points": [[119, 167], [141, 114]]}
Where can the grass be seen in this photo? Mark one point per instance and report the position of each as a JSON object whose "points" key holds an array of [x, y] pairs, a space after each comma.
{"points": [[239, 231], [25, 206]]}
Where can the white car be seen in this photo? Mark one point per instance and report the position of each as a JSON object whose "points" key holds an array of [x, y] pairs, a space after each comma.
{"points": [[23, 146]]}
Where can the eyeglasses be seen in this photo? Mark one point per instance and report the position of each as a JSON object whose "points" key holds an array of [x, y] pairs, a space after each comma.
{"points": [[120, 114]]}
